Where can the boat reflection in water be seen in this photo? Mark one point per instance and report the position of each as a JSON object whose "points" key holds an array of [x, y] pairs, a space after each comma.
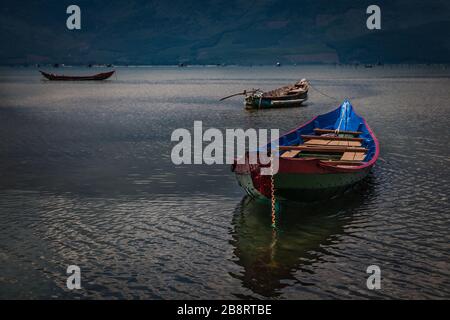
{"points": [[271, 256]]}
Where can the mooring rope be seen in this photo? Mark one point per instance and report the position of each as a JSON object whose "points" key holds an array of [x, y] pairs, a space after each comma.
{"points": [[272, 194], [330, 97], [340, 122], [274, 212], [324, 94]]}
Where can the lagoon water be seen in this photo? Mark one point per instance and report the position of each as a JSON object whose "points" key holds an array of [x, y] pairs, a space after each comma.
{"points": [[86, 179]]}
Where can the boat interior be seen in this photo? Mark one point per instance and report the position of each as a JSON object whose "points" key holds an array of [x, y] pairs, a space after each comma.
{"points": [[343, 148], [298, 88], [351, 145]]}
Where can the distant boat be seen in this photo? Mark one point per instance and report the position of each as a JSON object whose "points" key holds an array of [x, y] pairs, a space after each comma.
{"points": [[278, 64], [99, 76], [288, 96], [368, 66], [319, 159]]}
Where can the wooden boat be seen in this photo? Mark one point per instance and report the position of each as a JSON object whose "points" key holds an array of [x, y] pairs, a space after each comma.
{"points": [[319, 159], [99, 76], [288, 96]]}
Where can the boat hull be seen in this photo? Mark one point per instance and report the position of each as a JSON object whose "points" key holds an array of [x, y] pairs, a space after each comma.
{"points": [[96, 77], [300, 186], [255, 102]]}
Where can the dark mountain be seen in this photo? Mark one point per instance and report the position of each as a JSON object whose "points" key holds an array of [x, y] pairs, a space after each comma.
{"points": [[224, 31]]}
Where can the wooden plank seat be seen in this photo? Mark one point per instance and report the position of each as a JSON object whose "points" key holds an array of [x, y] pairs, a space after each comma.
{"points": [[306, 136], [290, 154], [333, 143], [320, 131], [317, 142], [324, 148], [349, 147], [353, 156]]}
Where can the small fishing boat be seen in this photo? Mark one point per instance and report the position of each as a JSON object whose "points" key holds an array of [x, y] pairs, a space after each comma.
{"points": [[318, 159], [288, 96], [99, 76]]}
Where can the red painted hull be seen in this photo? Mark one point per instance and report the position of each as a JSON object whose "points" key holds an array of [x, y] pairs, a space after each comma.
{"points": [[96, 77]]}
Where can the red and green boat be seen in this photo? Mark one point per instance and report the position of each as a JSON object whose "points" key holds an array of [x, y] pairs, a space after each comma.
{"points": [[317, 160]]}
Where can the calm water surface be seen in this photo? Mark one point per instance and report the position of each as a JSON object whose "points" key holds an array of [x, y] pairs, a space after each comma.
{"points": [[86, 179]]}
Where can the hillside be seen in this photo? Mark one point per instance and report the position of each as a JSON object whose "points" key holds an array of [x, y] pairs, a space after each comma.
{"points": [[231, 32]]}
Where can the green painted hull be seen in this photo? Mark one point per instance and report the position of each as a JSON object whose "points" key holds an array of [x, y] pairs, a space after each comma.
{"points": [[253, 102], [315, 186], [305, 187]]}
